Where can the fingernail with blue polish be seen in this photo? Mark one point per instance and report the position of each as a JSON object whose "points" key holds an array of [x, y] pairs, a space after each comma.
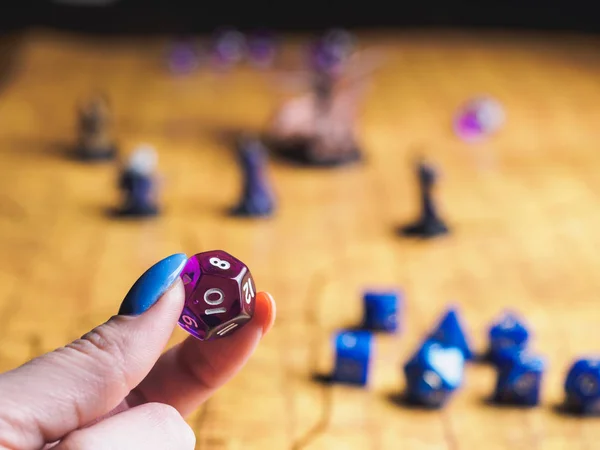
{"points": [[152, 285]]}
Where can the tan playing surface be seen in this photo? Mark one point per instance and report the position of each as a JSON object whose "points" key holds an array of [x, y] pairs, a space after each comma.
{"points": [[525, 209]]}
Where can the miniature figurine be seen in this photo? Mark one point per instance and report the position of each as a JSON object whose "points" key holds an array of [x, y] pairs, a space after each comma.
{"points": [[95, 140], [319, 128], [430, 224], [138, 183], [257, 196]]}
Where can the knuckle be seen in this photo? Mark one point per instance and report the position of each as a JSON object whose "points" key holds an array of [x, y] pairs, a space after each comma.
{"points": [[173, 425], [106, 348], [12, 430]]}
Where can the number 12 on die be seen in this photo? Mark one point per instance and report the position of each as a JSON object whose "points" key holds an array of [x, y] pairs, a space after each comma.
{"points": [[248, 290]]}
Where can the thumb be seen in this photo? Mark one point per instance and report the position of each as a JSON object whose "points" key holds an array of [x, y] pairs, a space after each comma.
{"points": [[61, 391]]}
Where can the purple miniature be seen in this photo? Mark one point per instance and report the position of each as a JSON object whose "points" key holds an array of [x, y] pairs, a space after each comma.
{"points": [[257, 195]]}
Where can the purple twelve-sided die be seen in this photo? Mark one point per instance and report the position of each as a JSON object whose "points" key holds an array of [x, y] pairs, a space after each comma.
{"points": [[219, 295]]}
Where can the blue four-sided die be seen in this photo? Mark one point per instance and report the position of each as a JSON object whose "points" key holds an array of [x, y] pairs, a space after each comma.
{"points": [[381, 310], [582, 387], [450, 333], [519, 379], [506, 336], [353, 354], [433, 373]]}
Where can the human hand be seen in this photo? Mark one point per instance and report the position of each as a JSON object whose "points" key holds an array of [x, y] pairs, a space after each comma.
{"points": [[112, 388]]}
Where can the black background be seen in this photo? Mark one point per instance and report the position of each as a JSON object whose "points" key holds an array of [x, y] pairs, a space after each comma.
{"points": [[179, 16]]}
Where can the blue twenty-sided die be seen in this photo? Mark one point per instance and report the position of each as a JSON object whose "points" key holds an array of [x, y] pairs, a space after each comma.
{"points": [[352, 357], [450, 333], [582, 387], [506, 336], [433, 373], [519, 379], [381, 310]]}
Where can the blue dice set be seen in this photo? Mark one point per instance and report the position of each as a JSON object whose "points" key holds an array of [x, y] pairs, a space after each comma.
{"points": [[436, 369]]}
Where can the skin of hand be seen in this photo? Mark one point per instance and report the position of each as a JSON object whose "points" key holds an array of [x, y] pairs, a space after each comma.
{"points": [[114, 388]]}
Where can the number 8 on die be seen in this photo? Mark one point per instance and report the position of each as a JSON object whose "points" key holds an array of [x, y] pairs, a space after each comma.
{"points": [[219, 295]]}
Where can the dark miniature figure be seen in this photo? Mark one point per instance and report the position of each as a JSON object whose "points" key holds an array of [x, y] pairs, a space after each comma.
{"points": [[95, 141], [430, 224], [257, 196], [138, 184]]}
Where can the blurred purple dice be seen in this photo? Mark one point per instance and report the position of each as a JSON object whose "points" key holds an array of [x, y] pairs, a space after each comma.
{"points": [[330, 52], [262, 49], [183, 57], [228, 48], [219, 295], [479, 118]]}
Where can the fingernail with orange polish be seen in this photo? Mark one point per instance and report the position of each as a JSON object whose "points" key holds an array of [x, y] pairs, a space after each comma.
{"points": [[271, 307]]}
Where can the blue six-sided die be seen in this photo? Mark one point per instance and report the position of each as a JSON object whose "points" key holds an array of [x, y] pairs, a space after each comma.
{"points": [[381, 310], [352, 359]]}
